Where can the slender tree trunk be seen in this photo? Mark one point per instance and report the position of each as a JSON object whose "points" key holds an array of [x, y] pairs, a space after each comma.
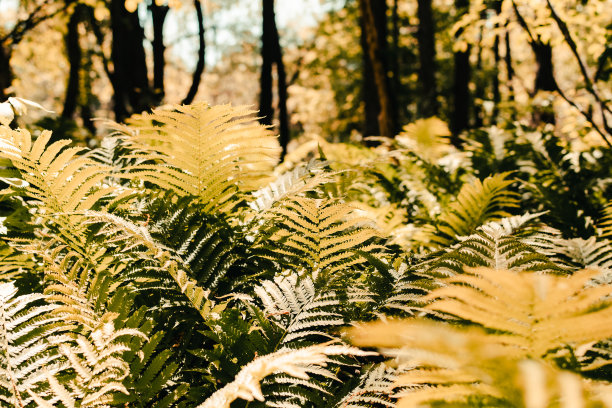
{"points": [[6, 74], [199, 69], [479, 88], [73, 51], [374, 15], [159, 14], [497, 58], [460, 117], [427, 58], [267, 55], [395, 69], [132, 92], [272, 54]]}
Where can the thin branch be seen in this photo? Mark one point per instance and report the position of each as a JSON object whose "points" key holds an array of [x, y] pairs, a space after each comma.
{"points": [[31, 21]]}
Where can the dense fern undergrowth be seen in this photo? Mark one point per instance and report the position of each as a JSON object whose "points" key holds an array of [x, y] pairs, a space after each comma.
{"points": [[179, 264]]}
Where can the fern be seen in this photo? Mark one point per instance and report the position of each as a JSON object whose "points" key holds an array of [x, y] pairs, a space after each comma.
{"points": [[299, 308], [373, 389], [320, 234], [208, 152], [296, 363], [476, 203], [29, 335], [60, 180]]}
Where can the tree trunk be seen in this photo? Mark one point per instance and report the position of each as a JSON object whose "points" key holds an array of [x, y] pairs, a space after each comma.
{"points": [[271, 53], [374, 16], [159, 61], [73, 51], [199, 69], [371, 103], [427, 58], [460, 117], [6, 74], [132, 92], [267, 55]]}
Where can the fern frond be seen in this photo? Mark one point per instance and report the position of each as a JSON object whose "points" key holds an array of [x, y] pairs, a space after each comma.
{"points": [[296, 363], [29, 334], [375, 386], [62, 181], [320, 234], [535, 313], [210, 152], [476, 203], [299, 308]]}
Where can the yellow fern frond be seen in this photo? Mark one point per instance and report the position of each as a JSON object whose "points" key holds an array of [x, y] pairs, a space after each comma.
{"points": [[209, 152], [324, 233], [64, 182], [536, 313], [476, 203]]}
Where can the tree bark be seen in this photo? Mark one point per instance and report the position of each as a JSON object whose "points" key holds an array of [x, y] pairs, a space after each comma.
{"points": [[199, 69], [271, 53], [6, 74], [374, 17], [132, 92], [159, 14], [427, 59], [267, 55], [460, 117], [74, 53], [371, 103]]}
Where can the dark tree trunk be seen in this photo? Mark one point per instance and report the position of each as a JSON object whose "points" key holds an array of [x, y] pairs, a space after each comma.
{"points": [[199, 69], [132, 92], [374, 17], [73, 51], [6, 74], [545, 77], [495, 83], [371, 103], [159, 61], [395, 69], [272, 54], [460, 117], [427, 58], [267, 55]]}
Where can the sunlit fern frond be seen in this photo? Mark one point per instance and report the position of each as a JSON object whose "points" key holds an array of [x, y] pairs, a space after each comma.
{"points": [[586, 253], [605, 224], [374, 389], [210, 152], [63, 182], [471, 367], [534, 313], [99, 369], [29, 334], [477, 203], [319, 234], [517, 243], [299, 308], [79, 289], [298, 363], [299, 180]]}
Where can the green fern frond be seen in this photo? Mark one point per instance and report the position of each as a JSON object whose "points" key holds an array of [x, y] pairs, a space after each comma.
{"points": [[374, 389], [320, 234], [210, 152], [477, 203]]}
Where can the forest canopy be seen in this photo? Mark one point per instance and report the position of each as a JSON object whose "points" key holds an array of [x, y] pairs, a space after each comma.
{"points": [[314, 203]]}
